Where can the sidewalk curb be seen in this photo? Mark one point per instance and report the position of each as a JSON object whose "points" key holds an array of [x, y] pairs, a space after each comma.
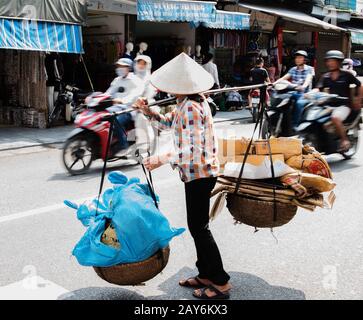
{"points": [[32, 146]]}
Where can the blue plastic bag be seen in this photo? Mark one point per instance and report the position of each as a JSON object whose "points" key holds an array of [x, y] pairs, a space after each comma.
{"points": [[140, 227]]}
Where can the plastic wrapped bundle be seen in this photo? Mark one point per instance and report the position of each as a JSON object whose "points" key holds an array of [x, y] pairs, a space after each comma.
{"points": [[141, 229]]}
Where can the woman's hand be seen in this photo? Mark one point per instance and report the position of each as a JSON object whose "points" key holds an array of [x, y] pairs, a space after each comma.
{"points": [[153, 162], [141, 104]]}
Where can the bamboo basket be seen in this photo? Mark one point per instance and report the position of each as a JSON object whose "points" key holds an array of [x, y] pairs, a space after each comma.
{"points": [[131, 274], [258, 213]]}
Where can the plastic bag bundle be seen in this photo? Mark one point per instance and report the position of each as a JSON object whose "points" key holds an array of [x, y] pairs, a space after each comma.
{"points": [[141, 229]]}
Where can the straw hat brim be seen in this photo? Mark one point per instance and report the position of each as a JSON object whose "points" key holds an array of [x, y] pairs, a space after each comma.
{"points": [[182, 76]]}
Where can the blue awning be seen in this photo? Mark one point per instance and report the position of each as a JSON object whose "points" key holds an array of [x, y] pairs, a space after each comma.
{"points": [[172, 10], [357, 36], [229, 20], [40, 36]]}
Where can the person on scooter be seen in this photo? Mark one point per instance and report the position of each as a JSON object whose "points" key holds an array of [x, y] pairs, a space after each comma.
{"points": [[125, 90], [338, 81], [195, 157], [348, 65], [142, 69], [301, 75], [259, 75]]}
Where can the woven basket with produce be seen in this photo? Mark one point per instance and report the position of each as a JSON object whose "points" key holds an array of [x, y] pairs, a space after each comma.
{"points": [[265, 181]]}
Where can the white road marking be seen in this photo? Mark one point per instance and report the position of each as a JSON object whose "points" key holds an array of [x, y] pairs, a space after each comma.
{"points": [[38, 211], [32, 288]]}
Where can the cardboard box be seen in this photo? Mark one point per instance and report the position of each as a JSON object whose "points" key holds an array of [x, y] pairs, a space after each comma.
{"points": [[287, 146], [230, 147]]}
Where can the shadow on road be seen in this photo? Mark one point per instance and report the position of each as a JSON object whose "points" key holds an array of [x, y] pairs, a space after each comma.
{"points": [[245, 287], [93, 172], [339, 165]]}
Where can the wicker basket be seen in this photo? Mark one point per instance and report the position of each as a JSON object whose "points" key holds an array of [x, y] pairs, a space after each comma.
{"points": [[130, 274], [257, 213]]}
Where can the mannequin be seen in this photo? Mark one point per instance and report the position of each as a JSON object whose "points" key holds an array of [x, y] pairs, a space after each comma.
{"points": [[188, 51], [129, 51], [198, 57], [142, 48], [54, 73]]}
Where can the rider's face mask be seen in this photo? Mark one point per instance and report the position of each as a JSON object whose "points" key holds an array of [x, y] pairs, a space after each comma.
{"points": [[141, 68], [122, 72]]}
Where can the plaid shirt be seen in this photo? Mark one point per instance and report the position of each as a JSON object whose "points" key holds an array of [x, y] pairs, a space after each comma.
{"points": [[194, 139], [298, 76]]}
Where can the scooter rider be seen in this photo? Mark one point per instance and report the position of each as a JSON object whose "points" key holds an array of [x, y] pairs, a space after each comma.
{"points": [[338, 81], [125, 90], [301, 75], [142, 69]]}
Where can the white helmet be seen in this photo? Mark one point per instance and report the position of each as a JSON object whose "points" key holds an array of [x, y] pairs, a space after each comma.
{"points": [[145, 58]]}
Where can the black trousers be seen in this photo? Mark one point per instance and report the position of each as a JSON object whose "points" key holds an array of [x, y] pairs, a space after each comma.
{"points": [[209, 261]]}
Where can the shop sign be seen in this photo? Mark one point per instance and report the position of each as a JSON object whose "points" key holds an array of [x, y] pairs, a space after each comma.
{"points": [[262, 21], [111, 6]]}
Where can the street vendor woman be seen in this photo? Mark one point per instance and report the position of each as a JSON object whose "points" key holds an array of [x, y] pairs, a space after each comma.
{"points": [[196, 159]]}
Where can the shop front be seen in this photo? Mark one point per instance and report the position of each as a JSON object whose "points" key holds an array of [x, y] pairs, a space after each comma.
{"points": [[31, 34], [295, 30]]}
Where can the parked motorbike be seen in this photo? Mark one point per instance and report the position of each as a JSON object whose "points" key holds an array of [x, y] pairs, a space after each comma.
{"points": [[70, 102], [278, 122], [317, 129], [88, 142]]}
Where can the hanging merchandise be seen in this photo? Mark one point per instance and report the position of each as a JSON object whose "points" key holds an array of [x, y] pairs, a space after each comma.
{"points": [[139, 227]]}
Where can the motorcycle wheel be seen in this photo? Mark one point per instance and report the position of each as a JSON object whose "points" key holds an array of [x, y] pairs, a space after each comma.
{"points": [[265, 134], [353, 136], [254, 112], [54, 115], [78, 155], [213, 108]]}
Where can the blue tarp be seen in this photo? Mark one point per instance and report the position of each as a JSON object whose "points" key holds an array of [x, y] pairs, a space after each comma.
{"points": [[171, 10], [40, 36]]}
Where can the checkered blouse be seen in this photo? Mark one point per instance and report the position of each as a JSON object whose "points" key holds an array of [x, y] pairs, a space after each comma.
{"points": [[194, 139]]}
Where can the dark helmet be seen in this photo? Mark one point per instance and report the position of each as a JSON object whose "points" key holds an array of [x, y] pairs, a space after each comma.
{"points": [[301, 53], [334, 54]]}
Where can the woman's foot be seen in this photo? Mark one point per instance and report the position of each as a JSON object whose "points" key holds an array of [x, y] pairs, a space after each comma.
{"points": [[213, 292], [195, 282]]}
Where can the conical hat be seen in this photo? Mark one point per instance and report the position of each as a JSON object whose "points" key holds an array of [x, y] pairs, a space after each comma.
{"points": [[182, 75]]}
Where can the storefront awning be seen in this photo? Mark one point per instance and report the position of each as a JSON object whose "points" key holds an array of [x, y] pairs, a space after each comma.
{"points": [[40, 36], [357, 35], [229, 20], [69, 11], [292, 15], [171, 10]]}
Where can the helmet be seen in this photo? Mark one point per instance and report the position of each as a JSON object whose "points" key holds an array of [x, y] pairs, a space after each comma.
{"points": [[302, 53], [145, 58], [124, 62], [334, 54], [348, 62]]}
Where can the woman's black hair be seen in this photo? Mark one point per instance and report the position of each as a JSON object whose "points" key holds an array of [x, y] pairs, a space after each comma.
{"points": [[196, 97]]}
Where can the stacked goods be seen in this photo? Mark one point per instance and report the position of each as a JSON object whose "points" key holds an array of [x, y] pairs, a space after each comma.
{"points": [[302, 178]]}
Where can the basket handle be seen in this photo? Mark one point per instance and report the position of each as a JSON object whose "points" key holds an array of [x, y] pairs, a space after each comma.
{"points": [[261, 112]]}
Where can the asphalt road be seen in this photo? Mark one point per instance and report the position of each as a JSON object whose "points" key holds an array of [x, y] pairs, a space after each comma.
{"points": [[316, 256]]}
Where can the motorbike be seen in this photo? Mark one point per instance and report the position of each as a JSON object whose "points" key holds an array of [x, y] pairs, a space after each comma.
{"points": [[70, 102], [255, 103], [88, 141], [317, 129], [278, 118]]}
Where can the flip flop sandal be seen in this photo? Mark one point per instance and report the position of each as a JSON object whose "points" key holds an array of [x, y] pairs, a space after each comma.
{"points": [[188, 284], [345, 148], [219, 294]]}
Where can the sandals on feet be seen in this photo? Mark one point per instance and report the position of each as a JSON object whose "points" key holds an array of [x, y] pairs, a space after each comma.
{"points": [[188, 284], [219, 295]]}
